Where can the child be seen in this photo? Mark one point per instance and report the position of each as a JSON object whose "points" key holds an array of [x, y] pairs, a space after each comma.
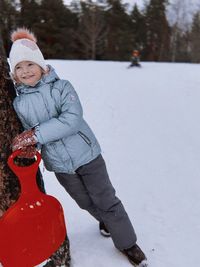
{"points": [[52, 116], [135, 59]]}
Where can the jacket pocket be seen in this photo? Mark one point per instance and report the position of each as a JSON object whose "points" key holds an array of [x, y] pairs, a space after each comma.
{"points": [[85, 138]]}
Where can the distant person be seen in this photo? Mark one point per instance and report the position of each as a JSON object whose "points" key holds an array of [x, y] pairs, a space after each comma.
{"points": [[52, 116], [135, 59]]}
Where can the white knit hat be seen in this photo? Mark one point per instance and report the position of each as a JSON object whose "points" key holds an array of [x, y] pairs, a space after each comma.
{"points": [[24, 48]]}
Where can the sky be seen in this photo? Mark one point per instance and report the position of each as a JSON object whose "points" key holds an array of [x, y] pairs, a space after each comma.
{"points": [[131, 2], [146, 120], [184, 14], [141, 2], [191, 4]]}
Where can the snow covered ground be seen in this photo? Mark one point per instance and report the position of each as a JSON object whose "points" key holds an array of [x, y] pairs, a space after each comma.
{"points": [[147, 122]]}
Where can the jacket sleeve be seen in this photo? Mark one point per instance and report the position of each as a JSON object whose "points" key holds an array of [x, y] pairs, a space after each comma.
{"points": [[67, 123], [24, 124]]}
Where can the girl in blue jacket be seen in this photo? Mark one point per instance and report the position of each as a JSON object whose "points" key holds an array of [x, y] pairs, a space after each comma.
{"points": [[52, 116]]}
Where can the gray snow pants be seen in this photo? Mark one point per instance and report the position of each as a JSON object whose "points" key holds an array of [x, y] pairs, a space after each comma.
{"points": [[91, 188]]}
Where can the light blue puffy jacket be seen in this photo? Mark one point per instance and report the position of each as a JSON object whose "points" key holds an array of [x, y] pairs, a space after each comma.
{"points": [[53, 107]]}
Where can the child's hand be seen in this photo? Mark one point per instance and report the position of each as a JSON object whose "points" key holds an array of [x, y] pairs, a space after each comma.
{"points": [[27, 138], [28, 152]]}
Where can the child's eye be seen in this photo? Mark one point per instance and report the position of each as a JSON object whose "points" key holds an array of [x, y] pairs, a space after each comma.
{"points": [[30, 64], [17, 68]]}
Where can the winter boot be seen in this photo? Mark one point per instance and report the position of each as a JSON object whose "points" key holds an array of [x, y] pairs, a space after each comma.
{"points": [[136, 256], [103, 230]]}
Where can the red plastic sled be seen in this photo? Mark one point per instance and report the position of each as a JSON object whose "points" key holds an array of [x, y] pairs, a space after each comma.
{"points": [[32, 228]]}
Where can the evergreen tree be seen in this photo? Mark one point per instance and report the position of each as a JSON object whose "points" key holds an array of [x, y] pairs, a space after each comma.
{"points": [[8, 15], [179, 13], [195, 38], [182, 46], [119, 37], [54, 28], [157, 30], [138, 29], [9, 128], [28, 14], [91, 33]]}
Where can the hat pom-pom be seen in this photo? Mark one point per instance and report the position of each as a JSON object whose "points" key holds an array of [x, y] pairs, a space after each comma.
{"points": [[22, 33]]}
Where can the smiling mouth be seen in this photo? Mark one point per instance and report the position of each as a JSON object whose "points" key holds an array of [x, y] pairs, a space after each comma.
{"points": [[28, 77]]}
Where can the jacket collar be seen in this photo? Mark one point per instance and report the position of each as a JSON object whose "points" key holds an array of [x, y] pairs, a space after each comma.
{"points": [[50, 77]]}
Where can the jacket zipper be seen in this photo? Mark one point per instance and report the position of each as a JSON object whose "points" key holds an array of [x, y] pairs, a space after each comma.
{"points": [[85, 138], [54, 146]]}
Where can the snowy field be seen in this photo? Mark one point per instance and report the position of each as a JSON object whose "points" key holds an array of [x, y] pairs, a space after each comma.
{"points": [[147, 121]]}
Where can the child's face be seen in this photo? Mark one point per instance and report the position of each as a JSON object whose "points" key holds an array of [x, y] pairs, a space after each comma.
{"points": [[28, 73]]}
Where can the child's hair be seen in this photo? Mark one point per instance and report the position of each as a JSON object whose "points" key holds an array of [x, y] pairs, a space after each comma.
{"points": [[24, 48]]}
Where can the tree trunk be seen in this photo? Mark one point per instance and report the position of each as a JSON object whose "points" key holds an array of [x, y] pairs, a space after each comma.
{"points": [[10, 126]]}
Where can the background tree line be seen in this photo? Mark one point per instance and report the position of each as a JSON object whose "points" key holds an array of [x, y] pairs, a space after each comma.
{"points": [[104, 29]]}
